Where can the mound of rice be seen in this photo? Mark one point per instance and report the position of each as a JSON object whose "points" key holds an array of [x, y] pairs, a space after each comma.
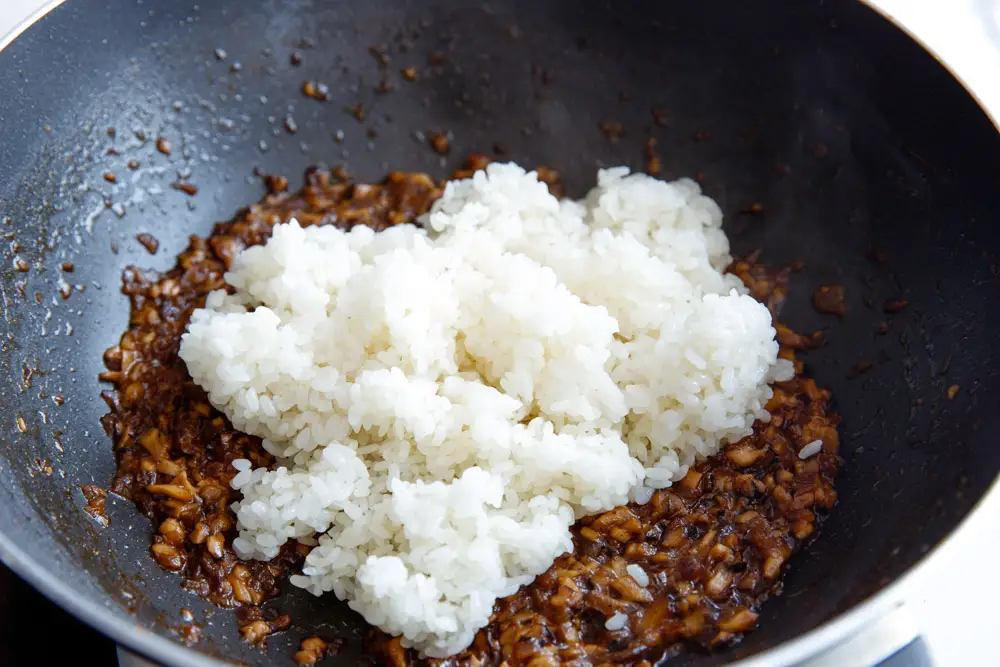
{"points": [[445, 403]]}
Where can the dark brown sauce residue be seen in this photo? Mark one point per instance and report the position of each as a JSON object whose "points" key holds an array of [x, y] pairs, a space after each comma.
{"points": [[829, 299], [713, 546], [653, 165], [189, 189], [660, 117], [189, 633], [149, 242], [97, 499], [163, 145], [317, 91], [893, 306], [359, 112], [439, 142], [860, 368], [613, 129], [44, 467]]}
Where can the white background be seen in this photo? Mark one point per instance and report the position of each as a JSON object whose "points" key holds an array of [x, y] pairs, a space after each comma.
{"points": [[952, 599]]}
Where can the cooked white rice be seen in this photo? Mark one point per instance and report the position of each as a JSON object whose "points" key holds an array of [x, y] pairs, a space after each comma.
{"points": [[444, 404], [637, 573], [810, 450], [616, 622]]}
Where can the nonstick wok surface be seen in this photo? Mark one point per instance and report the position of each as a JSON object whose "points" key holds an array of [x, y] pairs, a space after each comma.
{"points": [[851, 137]]}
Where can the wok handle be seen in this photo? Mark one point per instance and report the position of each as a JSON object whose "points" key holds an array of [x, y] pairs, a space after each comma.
{"points": [[890, 641]]}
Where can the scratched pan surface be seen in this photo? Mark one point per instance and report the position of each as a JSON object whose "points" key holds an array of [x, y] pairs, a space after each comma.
{"points": [[848, 134]]}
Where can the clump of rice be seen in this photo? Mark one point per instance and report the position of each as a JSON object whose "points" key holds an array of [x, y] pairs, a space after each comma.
{"points": [[445, 402]]}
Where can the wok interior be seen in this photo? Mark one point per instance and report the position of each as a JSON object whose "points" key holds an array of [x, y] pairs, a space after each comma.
{"points": [[848, 134]]}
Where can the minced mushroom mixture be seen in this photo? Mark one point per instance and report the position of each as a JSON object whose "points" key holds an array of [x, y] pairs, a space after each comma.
{"points": [[689, 568]]}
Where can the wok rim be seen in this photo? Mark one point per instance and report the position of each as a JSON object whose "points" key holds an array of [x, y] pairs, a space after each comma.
{"points": [[171, 653]]}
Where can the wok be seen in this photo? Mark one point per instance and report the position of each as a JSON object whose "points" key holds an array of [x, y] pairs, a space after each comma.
{"points": [[855, 141]]}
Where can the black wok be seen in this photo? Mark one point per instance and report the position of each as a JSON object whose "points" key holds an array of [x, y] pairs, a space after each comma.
{"points": [[851, 137]]}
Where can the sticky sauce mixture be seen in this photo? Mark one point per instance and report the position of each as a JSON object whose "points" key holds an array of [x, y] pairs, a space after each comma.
{"points": [[688, 569]]}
